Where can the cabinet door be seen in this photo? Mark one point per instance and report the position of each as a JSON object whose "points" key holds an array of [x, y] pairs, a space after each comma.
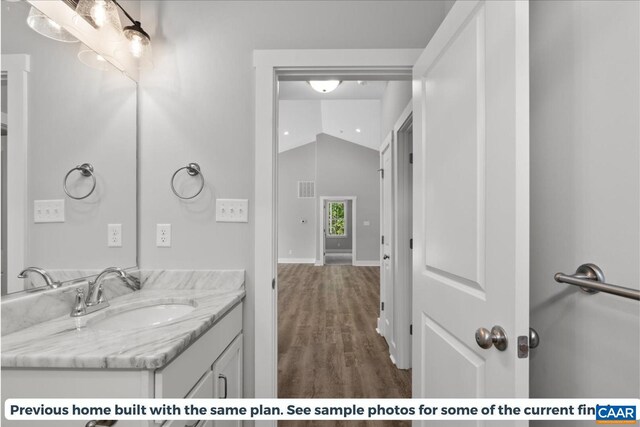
{"points": [[203, 390], [227, 374]]}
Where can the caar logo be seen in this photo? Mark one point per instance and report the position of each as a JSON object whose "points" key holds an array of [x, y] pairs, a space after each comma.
{"points": [[615, 414]]}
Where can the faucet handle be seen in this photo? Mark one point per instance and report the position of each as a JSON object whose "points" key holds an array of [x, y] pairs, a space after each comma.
{"points": [[79, 307]]}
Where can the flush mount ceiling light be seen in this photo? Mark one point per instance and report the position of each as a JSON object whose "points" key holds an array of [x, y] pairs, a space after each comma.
{"points": [[324, 86], [42, 24]]}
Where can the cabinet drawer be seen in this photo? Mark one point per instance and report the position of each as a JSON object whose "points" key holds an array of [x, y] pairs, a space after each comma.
{"points": [[177, 378], [202, 390]]}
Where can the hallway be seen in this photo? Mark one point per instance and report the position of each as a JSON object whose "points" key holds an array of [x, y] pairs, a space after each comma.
{"points": [[327, 343]]}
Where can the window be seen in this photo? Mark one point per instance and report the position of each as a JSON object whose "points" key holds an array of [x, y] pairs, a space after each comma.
{"points": [[337, 219]]}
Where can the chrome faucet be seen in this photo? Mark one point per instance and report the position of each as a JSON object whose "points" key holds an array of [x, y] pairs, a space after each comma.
{"points": [[46, 276], [95, 299]]}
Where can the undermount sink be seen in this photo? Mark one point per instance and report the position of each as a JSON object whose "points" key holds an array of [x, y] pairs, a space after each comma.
{"points": [[140, 317]]}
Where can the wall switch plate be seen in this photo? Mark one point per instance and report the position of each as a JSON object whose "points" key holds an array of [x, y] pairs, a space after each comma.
{"points": [[163, 235], [48, 211], [232, 210], [114, 235], [366, 223]]}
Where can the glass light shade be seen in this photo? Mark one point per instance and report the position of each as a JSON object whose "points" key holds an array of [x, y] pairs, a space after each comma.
{"points": [[324, 86], [101, 13], [138, 46], [91, 58], [42, 24]]}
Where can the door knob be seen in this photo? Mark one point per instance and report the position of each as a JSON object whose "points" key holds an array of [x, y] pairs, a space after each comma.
{"points": [[496, 336], [534, 338], [386, 256]]}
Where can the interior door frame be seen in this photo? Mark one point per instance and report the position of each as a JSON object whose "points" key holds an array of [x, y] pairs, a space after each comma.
{"points": [[270, 67], [352, 226], [402, 223], [387, 144]]}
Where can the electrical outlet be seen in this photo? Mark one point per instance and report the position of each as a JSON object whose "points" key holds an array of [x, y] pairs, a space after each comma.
{"points": [[163, 235], [114, 235], [48, 211], [232, 210]]}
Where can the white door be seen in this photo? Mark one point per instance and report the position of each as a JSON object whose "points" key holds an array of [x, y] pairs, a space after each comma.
{"points": [[471, 203], [387, 288]]}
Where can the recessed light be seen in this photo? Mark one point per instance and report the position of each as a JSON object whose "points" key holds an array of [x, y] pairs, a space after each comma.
{"points": [[358, 130], [286, 132], [324, 86]]}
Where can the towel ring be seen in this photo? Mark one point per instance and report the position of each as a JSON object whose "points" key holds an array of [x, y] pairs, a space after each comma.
{"points": [[193, 169], [86, 170]]}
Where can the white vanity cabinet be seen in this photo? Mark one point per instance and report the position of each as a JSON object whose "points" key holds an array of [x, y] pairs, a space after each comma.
{"points": [[196, 373]]}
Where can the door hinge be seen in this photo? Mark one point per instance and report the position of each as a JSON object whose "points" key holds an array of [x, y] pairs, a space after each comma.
{"points": [[411, 158], [381, 173], [411, 329], [273, 283], [410, 243], [382, 240], [382, 306]]}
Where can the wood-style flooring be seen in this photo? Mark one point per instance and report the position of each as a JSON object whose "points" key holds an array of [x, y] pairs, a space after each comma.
{"points": [[328, 346]]}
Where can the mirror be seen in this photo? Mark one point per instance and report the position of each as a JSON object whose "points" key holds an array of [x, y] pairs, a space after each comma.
{"points": [[57, 115]]}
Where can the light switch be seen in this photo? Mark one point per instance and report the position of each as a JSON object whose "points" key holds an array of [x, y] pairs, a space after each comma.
{"points": [[48, 211], [232, 210]]}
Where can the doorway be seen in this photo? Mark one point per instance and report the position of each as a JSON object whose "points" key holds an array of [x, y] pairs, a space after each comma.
{"points": [[337, 231], [329, 147], [271, 67]]}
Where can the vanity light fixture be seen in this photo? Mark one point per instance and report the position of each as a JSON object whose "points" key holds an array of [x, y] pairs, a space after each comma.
{"points": [[42, 24], [139, 42], [324, 86]]}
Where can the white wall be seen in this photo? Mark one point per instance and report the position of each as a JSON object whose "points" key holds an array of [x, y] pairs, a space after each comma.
{"points": [[339, 168], [585, 196], [346, 169], [296, 239], [396, 97], [197, 105]]}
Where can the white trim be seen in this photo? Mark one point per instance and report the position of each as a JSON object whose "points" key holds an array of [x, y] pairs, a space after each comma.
{"points": [[296, 261], [370, 263], [17, 67], [384, 322], [403, 272], [269, 64], [321, 246]]}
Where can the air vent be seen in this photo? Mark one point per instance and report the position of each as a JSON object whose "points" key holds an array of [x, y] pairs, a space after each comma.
{"points": [[306, 189]]}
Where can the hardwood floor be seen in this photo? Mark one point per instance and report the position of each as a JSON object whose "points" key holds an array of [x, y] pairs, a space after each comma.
{"points": [[327, 343]]}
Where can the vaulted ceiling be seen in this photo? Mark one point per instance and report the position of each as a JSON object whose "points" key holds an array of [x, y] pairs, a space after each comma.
{"points": [[351, 112]]}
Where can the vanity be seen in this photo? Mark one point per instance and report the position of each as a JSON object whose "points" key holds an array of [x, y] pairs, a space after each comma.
{"points": [[159, 342]]}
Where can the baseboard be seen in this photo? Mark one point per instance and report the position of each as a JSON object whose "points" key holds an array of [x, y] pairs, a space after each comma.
{"points": [[359, 263], [296, 261], [338, 251]]}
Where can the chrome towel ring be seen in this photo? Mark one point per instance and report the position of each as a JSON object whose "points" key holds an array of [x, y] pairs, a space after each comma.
{"points": [[86, 170], [193, 169]]}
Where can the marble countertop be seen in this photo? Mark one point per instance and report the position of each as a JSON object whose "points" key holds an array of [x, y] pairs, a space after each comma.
{"points": [[67, 342]]}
